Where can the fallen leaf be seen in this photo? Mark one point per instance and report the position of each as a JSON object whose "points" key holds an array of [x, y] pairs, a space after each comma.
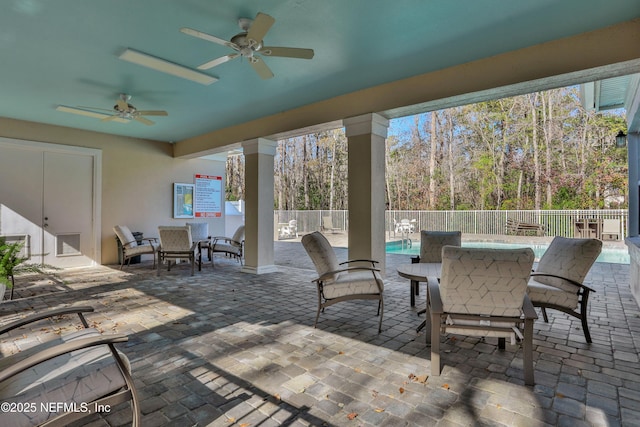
{"points": [[374, 393], [245, 424], [560, 395], [411, 376], [401, 390], [341, 352], [231, 420], [358, 370], [445, 386], [421, 379], [352, 416], [379, 410]]}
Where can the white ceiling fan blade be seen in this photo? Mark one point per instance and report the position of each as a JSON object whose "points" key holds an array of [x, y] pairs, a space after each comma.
{"points": [[261, 68], [93, 114], [287, 52], [217, 61], [109, 118], [152, 113], [208, 37], [259, 27], [81, 112], [143, 120]]}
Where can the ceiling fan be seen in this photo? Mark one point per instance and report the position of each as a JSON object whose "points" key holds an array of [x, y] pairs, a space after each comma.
{"points": [[122, 112], [248, 44]]}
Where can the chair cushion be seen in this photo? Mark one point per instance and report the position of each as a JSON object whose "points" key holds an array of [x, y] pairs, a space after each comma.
{"points": [[321, 253], [199, 230], [238, 236], [125, 235], [223, 247], [141, 249], [570, 258], [431, 243], [541, 293], [175, 238], [80, 376], [353, 283], [484, 281]]}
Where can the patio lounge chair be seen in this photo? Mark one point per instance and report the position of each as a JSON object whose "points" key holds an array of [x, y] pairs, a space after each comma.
{"points": [[482, 292], [335, 283], [66, 378], [289, 230], [130, 246], [231, 246], [558, 280], [176, 243]]}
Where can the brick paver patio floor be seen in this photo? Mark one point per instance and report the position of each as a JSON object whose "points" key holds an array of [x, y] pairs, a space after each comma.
{"points": [[225, 348]]}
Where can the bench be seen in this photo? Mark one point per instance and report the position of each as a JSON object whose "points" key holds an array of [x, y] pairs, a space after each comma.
{"points": [[524, 228]]}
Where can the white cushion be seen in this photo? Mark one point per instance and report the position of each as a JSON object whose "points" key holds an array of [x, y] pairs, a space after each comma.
{"points": [[432, 242], [125, 235], [484, 281], [321, 253], [353, 283]]}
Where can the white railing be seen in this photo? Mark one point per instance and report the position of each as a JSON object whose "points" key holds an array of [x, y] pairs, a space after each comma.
{"points": [[566, 223]]}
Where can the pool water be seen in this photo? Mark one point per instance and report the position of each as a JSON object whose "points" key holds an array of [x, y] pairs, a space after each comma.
{"points": [[614, 256]]}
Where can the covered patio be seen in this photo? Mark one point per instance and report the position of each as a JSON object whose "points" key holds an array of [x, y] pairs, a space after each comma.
{"points": [[228, 348]]}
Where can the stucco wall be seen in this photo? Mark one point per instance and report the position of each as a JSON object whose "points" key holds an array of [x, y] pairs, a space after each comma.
{"points": [[137, 178]]}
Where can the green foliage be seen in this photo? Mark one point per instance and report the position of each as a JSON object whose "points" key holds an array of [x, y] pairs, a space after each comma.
{"points": [[535, 151], [9, 261]]}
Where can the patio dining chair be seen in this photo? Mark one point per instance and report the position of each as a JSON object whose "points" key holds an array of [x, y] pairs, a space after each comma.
{"points": [[67, 378], [431, 244], [176, 243], [336, 283], [482, 293], [200, 234], [558, 280], [130, 246]]}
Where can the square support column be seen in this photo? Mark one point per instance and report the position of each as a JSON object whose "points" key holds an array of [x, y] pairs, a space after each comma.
{"points": [[258, 244], [366, 137]]}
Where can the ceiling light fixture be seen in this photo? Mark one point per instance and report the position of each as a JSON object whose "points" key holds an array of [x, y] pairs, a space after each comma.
{"points": [[164, 66]]}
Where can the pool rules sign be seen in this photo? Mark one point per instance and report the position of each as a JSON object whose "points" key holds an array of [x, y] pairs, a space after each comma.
{"points": [[208, 197]]}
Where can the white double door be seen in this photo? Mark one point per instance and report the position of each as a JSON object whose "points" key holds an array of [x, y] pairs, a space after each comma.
{"points": [[47, 194]]}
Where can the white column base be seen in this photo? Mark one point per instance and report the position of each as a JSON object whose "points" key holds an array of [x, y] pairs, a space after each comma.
{"points": [[262, 269]]}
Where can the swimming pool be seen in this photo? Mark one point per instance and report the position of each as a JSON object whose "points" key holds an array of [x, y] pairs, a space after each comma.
{"points": [[611, 255]]}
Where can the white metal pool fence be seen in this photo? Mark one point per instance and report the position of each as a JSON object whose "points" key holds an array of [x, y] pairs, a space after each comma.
{"points": [[566, 223]]}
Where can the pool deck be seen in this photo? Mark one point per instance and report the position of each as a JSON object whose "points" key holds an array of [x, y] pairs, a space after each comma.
{"points": [[225, 348]]}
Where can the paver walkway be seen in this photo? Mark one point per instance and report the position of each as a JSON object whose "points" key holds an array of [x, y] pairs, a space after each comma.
{"points": [[224, 348]]}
